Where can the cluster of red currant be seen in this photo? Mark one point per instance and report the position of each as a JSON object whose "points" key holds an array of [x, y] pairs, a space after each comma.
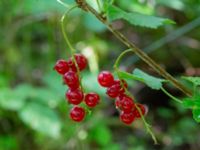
{"points": [[116, 89], [69, 69]]}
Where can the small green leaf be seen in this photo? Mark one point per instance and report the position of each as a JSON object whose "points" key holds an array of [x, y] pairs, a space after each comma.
{"points": [[192, 102], [196, 114], [135, 18], [139, 75], [127, 75], [188, 103], [41, 118], [194, 80], [152, 82]]}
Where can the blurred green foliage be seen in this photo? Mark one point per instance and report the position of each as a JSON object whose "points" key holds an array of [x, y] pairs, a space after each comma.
{"points": [[33, 109]]}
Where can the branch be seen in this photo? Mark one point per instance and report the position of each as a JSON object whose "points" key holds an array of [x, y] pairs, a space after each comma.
{"points": [[82, 4]]}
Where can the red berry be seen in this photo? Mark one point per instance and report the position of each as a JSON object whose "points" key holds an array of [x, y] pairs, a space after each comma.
{"points": [[92, 99], [61, 66], [116, 89], [80, 60], [74, 96], [118, 102], [105, 79], [71, 79], [124, 103], [71, 65], [77, 113], [142, 109], [127, 117]]}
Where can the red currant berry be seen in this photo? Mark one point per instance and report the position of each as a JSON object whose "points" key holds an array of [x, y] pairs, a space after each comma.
{"points": [[118, 102], [71, 65], [105, 79], [127, 117], [80, 60], [92, 99], [61, 66], [142, 109], [74, 96], [71, 79], [125, 103], [77, 113], [116, 89]]}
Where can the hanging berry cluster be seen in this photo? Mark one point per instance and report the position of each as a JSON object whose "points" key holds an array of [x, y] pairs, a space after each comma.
{"points": [[75, 95], [116, 89]]}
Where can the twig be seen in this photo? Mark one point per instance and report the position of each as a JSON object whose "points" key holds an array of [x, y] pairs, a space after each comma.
{"points": [[82, 4]]}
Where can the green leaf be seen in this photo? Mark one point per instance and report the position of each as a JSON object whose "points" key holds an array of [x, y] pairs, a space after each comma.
{"points": [[194, 104], [194, 80], [41, 118], [11, 100], [139, 75], [101, 134], [38, 6], [135, 18], [47, 96], [192, 101], [196, 114], [152, 82], [127, 75], [188, 103], [174, 4]]}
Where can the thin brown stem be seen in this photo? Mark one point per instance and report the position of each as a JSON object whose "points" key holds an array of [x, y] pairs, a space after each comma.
{"points": [[82, 4]]}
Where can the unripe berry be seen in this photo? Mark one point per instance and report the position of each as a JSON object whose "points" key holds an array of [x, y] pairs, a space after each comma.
{"points": [[77, 113], [74, 96], [71, 79], [92, 99], [61, 66], [105, 78], [127, 117]]}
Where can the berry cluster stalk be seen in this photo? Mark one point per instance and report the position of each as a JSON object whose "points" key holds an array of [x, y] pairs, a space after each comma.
{"points": [[116, 67], [72, 49], [83, 5]]}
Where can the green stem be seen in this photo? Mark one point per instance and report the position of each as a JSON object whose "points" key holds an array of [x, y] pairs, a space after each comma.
{"points": [[72, 49], [171, 96], [63, 29], [147, 126], [116, 67], [117, 62]]}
